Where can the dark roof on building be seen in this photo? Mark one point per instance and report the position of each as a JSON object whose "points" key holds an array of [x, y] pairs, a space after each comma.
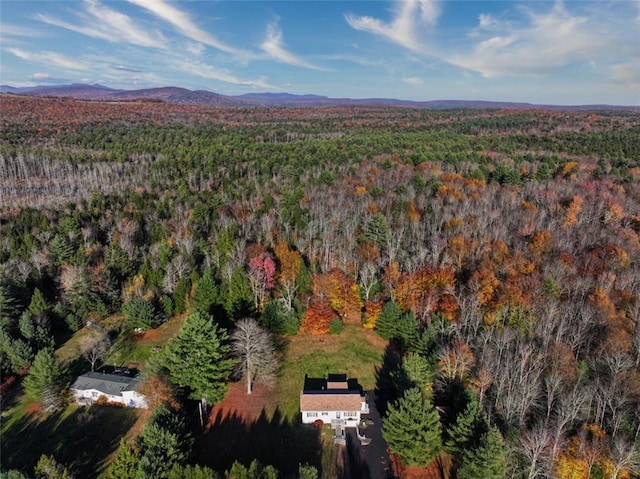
{"points": [[333, 381], [110, 384], [337, 392]]}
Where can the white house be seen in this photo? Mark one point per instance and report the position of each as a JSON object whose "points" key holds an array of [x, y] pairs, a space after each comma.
{"points": [[336, 400], [117, 389]]}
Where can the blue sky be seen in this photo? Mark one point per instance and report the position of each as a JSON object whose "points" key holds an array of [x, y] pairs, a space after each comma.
{"points": [[571, 52]]}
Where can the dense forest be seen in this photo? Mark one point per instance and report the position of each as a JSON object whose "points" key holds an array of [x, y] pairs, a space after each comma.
{"points": [[497, 251]]}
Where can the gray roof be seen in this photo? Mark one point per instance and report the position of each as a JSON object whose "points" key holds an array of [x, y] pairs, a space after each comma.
{"points": [[110, 384]]}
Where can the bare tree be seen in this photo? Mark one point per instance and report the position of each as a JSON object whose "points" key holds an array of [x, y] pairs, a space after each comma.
{"points": [[253, 346], [96, 349], [535, 445], [625, 456]]}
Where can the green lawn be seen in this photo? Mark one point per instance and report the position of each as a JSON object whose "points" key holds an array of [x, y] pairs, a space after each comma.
{"points": [[81, 438], [355, 351]]}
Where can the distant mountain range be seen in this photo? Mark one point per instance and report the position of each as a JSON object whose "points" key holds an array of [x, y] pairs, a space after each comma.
{"points": [[183, 96]]}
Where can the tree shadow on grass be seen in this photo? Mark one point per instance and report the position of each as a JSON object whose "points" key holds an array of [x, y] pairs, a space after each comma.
{"points": [[82, 438], [271, 440], [385, 377]]}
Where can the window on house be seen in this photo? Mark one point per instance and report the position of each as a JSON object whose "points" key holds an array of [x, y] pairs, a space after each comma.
{"points": [[350, 413], [94, 394], [325, 413], [312, 414]]}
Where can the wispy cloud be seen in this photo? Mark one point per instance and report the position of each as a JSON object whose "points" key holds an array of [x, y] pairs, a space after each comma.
{"points": [[627, 74], [274, 47], [18, 31], [547, 42], [208, 71], [409, 16], [413, 81], [47, 58], [101, 22], [124, 68], [182, 22]]}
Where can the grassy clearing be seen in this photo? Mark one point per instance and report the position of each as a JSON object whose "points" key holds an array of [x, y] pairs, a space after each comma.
{"points": [[81, 438], [355, 351], [136, 349]]}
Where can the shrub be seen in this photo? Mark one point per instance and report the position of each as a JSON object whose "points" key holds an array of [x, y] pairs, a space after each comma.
{"points": [[336, 326]]}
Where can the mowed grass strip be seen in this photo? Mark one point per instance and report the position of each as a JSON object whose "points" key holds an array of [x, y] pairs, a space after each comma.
{"points": [[355, 351]]}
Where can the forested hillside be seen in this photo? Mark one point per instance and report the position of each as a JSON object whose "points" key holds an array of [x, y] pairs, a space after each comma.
{"points": [[497, 250]]}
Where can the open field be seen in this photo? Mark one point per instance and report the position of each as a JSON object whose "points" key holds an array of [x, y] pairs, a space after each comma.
{"points": [[266, 424], [83, 438]]}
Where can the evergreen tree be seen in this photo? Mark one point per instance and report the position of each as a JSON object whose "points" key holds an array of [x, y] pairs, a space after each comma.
{"points": [[163, 444], [49, 468], [407, 330], [180, 295], [470, 426], [416, 371], [125, 464], [199, 358], [307, 471], [239, 297], [255, 471], [38, 305], [140, 314], [45, 379], [27, 326], [487, 460], [412, 429], [179, 471], [8, 310], [206, 294], [387, 323]]}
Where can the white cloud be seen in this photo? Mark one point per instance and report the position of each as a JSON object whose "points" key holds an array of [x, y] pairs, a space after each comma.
{"points": [[628, 75], [107, 24], [195, 48], [183, 23], [40, 76], [274, 47], [549, 41], [17, 31], [49, 59], [208, 71], [409, 16], [414, 81]]}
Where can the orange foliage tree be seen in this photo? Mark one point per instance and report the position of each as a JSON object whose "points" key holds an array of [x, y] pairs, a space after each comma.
{"points": [[342, 292], [423, 291], [318, 316], [372, 311]]}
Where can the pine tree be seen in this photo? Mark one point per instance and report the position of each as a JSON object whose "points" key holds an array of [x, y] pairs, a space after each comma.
{"points": [[199, 358], [179, 471], [487, 460], [387, 323], [49, 468], [38, 305], [418, 372], [206, 294], [125, 464], [412, 429], [45, 379], [163, 444], [239, 297], [140, 314], [470, 426], [8, 310]]}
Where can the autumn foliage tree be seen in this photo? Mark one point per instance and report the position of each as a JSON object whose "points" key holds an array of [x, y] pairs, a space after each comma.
{"points": [[318, 316]]}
